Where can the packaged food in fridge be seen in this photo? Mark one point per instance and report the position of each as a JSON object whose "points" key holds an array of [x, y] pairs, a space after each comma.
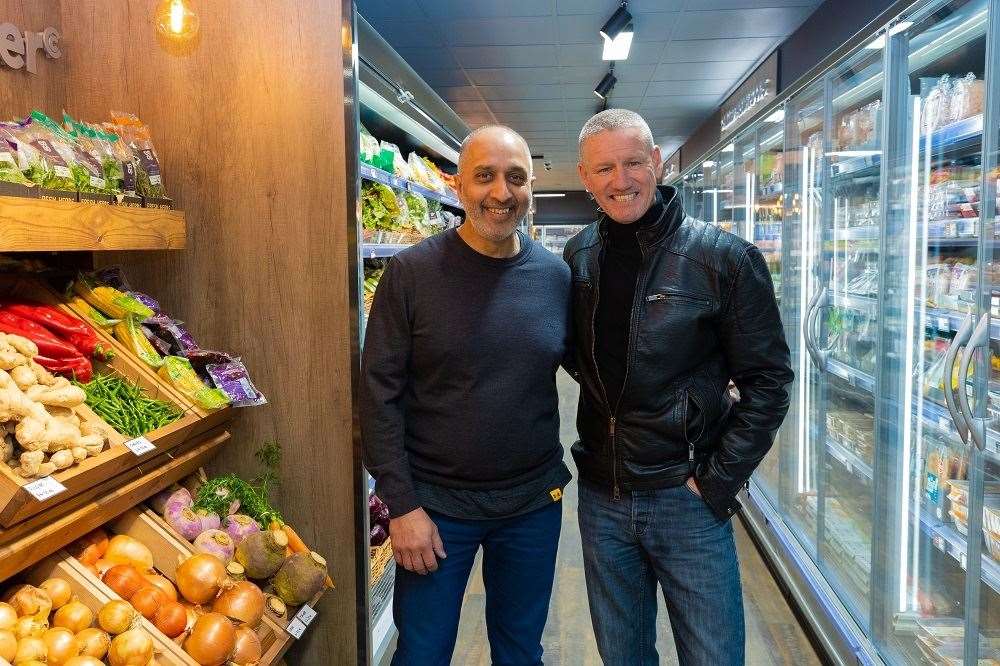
{"points": [[368, 147], [936, 104], [959, 492], [967, 95], [398, 166]]}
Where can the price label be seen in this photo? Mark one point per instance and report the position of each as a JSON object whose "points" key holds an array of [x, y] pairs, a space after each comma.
{"points": [[944, 324], [939, 542], [296, 628], [140, 446], [301, 621], [44, 488]]}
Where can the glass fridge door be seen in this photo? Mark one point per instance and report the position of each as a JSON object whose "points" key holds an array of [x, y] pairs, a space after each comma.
{"points": [[744, 173], [725, 191], [694, 201], [842, 326], [945, 608]]}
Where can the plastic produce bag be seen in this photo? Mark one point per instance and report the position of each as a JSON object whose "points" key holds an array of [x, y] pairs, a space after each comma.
{"points": [[419, 172], [380, 210], [369, 148], [149, 181], [11, 158], [47, 165], [399, 166], [416, 207], [967, 95], [181, 375]]}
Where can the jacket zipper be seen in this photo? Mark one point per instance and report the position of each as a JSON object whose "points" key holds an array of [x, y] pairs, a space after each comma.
{"points": [[662, 297], [616, 491]]}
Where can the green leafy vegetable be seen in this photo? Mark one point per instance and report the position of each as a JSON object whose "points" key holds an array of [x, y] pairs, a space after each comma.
{"points": [[380, 210], [126, 407]]}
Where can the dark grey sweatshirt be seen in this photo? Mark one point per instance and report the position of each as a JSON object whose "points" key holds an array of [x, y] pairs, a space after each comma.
{"points": [[458, 386]]}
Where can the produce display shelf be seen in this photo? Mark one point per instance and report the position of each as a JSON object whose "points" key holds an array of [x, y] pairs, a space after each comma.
{"points": [[958, 133], [949, 541], [866, 232], [46, 225], [381, 250], [855, 378], [45, 533], [850, 460], [374, 174]]}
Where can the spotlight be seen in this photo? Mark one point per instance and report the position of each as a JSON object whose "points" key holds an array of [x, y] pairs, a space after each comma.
{"points": [[603, 88], [617, 23]]}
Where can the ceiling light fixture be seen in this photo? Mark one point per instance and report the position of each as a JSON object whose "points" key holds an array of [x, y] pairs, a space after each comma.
{"points": [[603, 88], [879, 42], [619, 22], [176, 20], [617, 34]]}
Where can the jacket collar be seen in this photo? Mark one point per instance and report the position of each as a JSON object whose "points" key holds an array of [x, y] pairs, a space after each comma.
{"points": [[656, 233]]}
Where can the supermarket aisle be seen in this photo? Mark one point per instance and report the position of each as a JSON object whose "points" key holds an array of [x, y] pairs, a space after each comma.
{"points": [[773, 633]]}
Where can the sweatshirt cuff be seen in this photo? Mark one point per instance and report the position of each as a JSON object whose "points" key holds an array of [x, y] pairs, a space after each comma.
{"points": [[394, 486]]}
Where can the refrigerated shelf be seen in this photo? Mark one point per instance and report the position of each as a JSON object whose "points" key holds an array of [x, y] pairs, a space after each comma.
{"points": [[870, 232], [854, 377], [381, 250], [855, 301], [850, 460], [856, 165], [374, 174], [958, 134], [947, 539]]}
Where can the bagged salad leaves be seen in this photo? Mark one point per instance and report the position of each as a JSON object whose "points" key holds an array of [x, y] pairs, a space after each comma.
{"points": [[417, 212], [380, 209], [420, 174], [99, 146], [44, 165], [369, 148], [12, 155], [136, 134], [400, 168]]}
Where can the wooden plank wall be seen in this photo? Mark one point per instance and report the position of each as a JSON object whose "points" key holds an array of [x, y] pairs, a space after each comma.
{"points": [[249, 125]]}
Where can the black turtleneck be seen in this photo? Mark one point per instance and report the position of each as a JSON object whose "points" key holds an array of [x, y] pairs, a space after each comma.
{"points": [[620, 262]]}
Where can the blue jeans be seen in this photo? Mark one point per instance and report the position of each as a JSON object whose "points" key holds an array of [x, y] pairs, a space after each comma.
{"points": [[519, 561], [668, 536]]}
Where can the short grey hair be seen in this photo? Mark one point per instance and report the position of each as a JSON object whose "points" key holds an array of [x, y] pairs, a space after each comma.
{"points": [[489, 128], [612, 119]]}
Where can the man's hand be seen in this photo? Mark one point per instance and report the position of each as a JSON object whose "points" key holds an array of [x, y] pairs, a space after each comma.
{"points": [[692, 486], [415, 542]]}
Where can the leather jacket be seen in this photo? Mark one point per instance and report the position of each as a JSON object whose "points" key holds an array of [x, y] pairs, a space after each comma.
{"points": [[704, 313]]}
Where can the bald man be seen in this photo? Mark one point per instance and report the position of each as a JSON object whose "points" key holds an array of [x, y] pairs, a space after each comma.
{"points": [[460, 415]]}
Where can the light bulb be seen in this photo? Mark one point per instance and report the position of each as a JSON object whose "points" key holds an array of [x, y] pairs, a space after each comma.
{"points": [[176, 20]]}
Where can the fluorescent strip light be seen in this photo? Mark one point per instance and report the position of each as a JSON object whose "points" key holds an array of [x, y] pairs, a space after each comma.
{"points": [[879, 42], [549, 194], [708, 164], [775, 117], [728, 149], [852, 153], [619, 47]]}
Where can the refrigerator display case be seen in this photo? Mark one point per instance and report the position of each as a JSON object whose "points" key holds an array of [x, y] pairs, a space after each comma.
{"points": [[871, 188]]}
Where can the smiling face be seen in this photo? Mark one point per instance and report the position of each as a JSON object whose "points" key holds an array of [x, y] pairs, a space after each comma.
{"points": [[494, 183], [619, 168]]}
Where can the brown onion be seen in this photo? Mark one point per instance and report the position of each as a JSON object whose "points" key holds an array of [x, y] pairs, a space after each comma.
{"points": [[248, 650], [164, 584], [30, 600], [132, 648], [117, 617], [61, 646], [8, 616], [59, 591], [30, 649], [212, 640], [125, 580], [200, 577], [84, 660], [93, 642], [171, 619], [75, 616], [123, 549], [8, 645], [101, 567], [29, 626], [243, 602], [147, 600]]}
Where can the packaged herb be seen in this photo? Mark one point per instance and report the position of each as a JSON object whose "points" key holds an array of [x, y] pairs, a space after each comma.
{"points": [[96, 144], [396, 165], [46, 153], [369, 147], [10, 162], [149, 181], [380, 209]]}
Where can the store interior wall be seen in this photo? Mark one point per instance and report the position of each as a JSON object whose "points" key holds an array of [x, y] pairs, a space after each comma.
{"points": [[249, 126]]}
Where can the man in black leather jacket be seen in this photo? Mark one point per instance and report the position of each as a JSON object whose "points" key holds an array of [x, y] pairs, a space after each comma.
{"points": [[667, 311]]}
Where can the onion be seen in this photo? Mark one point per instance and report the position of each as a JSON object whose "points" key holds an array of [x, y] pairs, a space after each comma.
{"points": [[132, 648], [184, 521], [164, 584], [91, 547], [248, 650], [171, 619], [239, 527], [84, 660], [212, 640], [59, 591], [125, 580], [215, 542], [147, 600], [30, 600], [243, 602], [29, 626], [30, 649], [75, 616], [101, 567], [8, 645], [123, 549], [117, 617], [93, 642], [200, 577], [8, 616], [61, 646]]}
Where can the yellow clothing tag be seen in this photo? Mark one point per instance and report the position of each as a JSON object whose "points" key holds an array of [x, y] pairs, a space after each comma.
{"points": [[556, 494]]}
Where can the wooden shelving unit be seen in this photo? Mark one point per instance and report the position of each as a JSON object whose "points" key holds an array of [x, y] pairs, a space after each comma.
{"points": [[45, 225]]}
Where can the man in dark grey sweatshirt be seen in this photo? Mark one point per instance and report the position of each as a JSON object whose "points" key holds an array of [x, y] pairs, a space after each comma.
{"points": [[460, 417]]}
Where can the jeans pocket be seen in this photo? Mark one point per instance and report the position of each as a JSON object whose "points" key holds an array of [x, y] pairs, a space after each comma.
{"points": [[692, 493]]}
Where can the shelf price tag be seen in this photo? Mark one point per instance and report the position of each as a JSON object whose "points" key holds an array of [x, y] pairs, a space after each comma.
{"points": [[140, 446], [944, 324], [44, 488], [301, 621]]}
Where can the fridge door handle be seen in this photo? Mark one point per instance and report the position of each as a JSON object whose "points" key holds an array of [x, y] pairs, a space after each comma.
{"points": [[948, 371], [806, 332], [820, 356], [980, 338]]}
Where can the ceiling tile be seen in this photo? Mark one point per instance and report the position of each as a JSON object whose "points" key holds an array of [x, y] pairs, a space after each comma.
{"points": [[499, 32], [525, 105], [498, 56], [679, 103], [521, 92], [408, 34], [442, 78], [425, 59], [466, 9], [575, 55], [750, 4], [514, 76], [455, 93], [726, 69], [695, 87], [588, 74], [630, 72], [475, 120], [540, 116], [606, 9], [532, 126], [469, 106], [702, 50], [730, 23], [399, 9], [586, 91]]}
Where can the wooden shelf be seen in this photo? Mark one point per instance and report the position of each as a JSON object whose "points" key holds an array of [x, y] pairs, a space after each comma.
{"points": [[43, 225], [41, 535]]}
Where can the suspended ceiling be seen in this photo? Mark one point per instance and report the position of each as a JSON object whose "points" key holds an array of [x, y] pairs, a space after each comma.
{"points": [[533, 64]]}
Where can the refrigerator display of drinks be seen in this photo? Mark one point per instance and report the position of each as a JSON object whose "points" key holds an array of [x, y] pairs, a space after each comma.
{"points": [[871, 190]]}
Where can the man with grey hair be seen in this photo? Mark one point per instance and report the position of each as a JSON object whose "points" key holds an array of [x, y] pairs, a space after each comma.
{"points": [[667, 311], [460, 415]]}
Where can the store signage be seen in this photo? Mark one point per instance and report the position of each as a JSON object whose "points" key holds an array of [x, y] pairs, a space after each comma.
{"points": [[755, 92], [20, 50], [44, 488], [140, 446]]}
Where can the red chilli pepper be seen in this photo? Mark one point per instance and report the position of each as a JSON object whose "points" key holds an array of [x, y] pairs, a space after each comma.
{"points": [[76, 331], [78, 367], [48, 345]]}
